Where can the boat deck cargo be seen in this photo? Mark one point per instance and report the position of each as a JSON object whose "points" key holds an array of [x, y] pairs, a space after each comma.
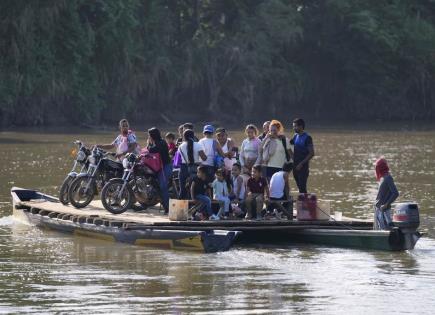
{"points": [[151, 228]]}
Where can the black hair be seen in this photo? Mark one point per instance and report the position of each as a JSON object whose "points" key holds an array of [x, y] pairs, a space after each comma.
{"points": [[287, 167], [299, 122], [258, 168], [188, 126], [170, 135], [188, 136], [155, 134], [202, 169], [238, 166]]}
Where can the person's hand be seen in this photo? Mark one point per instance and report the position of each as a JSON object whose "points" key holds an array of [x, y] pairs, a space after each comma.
{"points": [[299, 167], [383, 207]]}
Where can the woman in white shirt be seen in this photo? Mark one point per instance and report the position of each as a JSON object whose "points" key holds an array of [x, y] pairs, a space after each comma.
{"points": [[275, 149], [192, 153], [211, 148], [251, 148]]}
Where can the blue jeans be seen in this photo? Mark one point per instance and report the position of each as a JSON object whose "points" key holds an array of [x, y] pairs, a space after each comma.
{"points": [[224, 205], [206, 201], [184, 175], [382, 219], [164, 176]]}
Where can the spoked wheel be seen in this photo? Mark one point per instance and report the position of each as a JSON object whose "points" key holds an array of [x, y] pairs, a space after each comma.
{"points": [[113, 200], [82, 191], [63, 192]]}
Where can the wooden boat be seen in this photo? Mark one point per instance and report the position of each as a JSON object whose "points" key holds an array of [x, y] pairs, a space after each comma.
{"points": [[153, 229], [30, 206]]}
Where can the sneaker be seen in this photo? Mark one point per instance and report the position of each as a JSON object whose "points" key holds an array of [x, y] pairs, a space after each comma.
{"points": [[214, 217]]}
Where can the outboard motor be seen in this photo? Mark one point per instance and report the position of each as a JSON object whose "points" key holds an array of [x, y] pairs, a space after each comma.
{"points": [[406, 219], [406, 216]]}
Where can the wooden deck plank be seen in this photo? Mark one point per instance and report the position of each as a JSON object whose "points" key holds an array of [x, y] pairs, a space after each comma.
{"points": [[153, 217]]}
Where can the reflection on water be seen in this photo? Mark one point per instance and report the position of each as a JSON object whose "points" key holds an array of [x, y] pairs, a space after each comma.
{"points": [[45, 271]]}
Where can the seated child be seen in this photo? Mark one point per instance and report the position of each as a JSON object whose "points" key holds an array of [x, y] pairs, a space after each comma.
{"points": [[280, 190], [200, 191], [238, 192], [170, 140], [257, 193], [221, 193]]}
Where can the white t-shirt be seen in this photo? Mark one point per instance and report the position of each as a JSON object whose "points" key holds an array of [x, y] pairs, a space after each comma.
{"points": [[209, 150], [196, 148], [279, 157], [277, 185]]}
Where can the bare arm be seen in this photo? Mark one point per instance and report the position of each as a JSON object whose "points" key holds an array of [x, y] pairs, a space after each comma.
{"points": [[230, 153], [105, 146], [202, 155], [192, 191], [219, 148]]}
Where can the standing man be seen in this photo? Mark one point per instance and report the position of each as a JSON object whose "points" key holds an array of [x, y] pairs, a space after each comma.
{"points": [[303, 153]]}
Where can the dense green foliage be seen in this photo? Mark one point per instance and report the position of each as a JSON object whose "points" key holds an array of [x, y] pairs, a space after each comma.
{"points": [[93, 61]]}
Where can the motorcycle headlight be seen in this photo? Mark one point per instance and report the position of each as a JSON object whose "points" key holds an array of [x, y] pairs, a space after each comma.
{"points": [[91, 159], [81, 156], [125, 163]]}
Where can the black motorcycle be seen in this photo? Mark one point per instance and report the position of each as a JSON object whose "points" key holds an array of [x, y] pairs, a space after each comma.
{"points": [[80, 164], [139, 183], [100, 170]]}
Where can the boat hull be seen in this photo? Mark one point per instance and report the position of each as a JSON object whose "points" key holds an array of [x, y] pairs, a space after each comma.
{"points": [[205, 236]]}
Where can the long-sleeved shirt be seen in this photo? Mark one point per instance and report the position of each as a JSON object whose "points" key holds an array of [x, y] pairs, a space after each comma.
{"points": [[387, 192], [250, 152]]}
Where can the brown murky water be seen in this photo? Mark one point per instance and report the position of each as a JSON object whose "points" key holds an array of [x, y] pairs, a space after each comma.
{"points": [[49, 272]]}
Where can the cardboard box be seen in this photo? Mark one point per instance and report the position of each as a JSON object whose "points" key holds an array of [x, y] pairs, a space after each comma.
{"points": [[178, 210]]}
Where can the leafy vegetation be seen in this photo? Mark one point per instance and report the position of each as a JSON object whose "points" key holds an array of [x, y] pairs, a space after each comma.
{"points": [[93, 61]]}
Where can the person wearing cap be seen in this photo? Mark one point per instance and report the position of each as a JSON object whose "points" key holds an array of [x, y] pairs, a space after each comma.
{"points": [[387, 194], [211, 148]]}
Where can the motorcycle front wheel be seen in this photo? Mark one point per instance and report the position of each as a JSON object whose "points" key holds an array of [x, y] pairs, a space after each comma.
{"points": [[81, 191], [63, 192], [115, 202]]}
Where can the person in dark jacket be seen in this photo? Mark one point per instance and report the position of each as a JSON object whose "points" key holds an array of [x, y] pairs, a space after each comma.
{"points": [[157, 145], [303, 153], [387, 194]]}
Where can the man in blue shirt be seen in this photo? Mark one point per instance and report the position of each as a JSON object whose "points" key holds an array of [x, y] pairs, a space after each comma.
{"points": [[303, 153]]}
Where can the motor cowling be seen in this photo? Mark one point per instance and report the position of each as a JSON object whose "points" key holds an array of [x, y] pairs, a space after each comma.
{"points": [[406, 215]]}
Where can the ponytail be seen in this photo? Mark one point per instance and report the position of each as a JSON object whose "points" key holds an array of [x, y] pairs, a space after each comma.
{"points": [[189, 138]]}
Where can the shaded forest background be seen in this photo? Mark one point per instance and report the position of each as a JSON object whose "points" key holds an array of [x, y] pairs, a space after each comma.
{"points": [[95, 61]]}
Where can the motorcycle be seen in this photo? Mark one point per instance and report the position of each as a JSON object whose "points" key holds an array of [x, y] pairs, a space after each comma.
{"points": [[139, 183], [100, 170], [81, 159]]}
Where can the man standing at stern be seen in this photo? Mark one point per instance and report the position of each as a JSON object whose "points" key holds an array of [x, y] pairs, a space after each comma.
{"points": [[303, 153]]}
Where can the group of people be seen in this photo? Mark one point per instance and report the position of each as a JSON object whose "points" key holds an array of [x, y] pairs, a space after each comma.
{"points": [[241, 180]]}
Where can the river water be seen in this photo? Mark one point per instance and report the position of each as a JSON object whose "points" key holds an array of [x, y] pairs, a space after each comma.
{"points": [[50, 272]]}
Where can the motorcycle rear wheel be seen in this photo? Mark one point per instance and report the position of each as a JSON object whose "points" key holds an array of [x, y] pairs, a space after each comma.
{"points": [[63, 192], [110, 197], [77, 193]]}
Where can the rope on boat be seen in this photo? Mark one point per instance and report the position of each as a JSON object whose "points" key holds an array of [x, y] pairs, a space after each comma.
{"points": [[338, 222]]}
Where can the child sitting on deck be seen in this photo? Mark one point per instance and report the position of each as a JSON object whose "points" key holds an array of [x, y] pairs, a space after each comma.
{"points": [[200, 191], [280, 198], [238, 192], [221, 194], [258, 192]]}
